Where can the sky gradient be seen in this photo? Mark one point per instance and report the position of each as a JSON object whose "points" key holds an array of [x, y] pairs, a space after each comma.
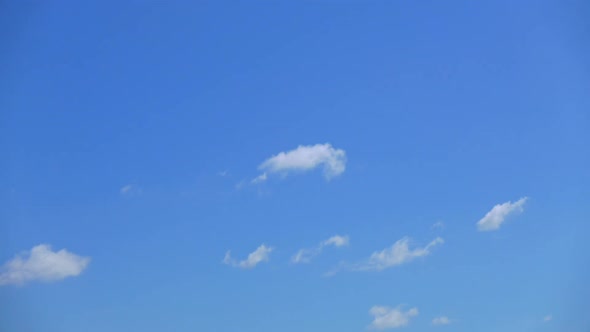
{"points": [[295, 166]]}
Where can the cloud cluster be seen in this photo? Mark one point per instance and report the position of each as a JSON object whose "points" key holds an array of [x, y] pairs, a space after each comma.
{"points": [[497, 215], [42, 264], [390, 318], [261, 254], [305, 255], [305, 158]]}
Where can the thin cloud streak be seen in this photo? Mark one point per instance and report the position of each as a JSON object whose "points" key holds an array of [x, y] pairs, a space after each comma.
{"points": [[305, 255], [399, 253], [261, 254]]}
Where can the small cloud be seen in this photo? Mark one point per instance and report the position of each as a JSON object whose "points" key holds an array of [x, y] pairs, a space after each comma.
{"points": [[337, 241], [547, 318], [497, 215], [305, 158], [399, 253], [130, 190], [261, 254], [305, 255], [42, 264], [438, 225], [223, 173], [390, 318], [442, 320]]}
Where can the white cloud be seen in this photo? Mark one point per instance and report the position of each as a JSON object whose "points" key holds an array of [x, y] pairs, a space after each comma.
{"points": [[442, 320], [261, 254], [497, 215], [547, 318], [305, 255], [399, 253], [390, 318], [260, 178], [42, 264], [337, 241], [305, 158], [130, 190]]}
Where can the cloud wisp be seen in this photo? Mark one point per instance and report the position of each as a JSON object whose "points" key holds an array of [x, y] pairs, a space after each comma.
{"points": [[498, 214], [439, 225], [130, 190], [441, 320], [261, 254], [43, 264], [390, 318], [399, 253], [260, 178], [302, 159], [305, 255]]}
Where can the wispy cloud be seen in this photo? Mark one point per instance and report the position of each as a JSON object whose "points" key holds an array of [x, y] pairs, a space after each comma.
{"points": [[399, 253], [241, 184], [42, 264], [260, 178], [547, 318], [391, 318], [261, 254], [441, 320], [497, 215], [305, 158], [438, 225], [130, 190], [305, 255]]}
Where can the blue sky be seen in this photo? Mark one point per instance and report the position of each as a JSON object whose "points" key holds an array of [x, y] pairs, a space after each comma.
{"points": [[295, 166]]}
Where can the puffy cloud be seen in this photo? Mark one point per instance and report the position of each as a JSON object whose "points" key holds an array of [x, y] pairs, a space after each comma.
{"points": [[305, 255], [305, 158], [261, 254], [399, 253], [42, 264], [390, 318], [497, 215], [442, 320]]}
